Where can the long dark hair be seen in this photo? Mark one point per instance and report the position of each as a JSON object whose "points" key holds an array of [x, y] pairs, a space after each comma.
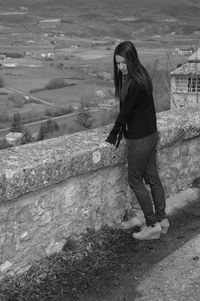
{"points": [[136, 70]]}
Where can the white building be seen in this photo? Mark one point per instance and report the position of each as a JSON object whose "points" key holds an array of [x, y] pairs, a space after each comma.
{"points": [[9, 65], [185, 82], [14, 138], [49, 55]]}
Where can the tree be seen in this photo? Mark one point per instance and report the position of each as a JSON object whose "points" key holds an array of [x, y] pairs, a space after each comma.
{"points": [[47, 127], [1, 81], [16, 123], [56, 83], [42, 132], [161, 90], [84, 118]]}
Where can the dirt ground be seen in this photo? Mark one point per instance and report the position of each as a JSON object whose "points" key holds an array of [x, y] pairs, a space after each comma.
{"points": [[109, 265], [133, 279]]}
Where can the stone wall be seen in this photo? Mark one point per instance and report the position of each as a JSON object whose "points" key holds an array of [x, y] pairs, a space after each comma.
{"points": [[55, 189]]}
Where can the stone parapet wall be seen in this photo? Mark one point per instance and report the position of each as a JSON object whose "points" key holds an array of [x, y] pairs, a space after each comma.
{"points": [[57, 188]]}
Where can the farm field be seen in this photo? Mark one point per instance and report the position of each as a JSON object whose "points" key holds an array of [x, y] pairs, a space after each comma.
{"points": [[79, 73], [28, 78]]}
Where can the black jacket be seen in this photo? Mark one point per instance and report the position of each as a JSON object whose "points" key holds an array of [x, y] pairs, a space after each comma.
{"points": [[137, 116]]}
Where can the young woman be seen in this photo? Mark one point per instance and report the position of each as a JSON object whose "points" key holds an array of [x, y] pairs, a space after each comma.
{"points": [[137, 122]]}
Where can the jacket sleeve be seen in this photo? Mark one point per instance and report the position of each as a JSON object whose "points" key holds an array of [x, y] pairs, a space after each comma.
{"points": [[125, 114]]}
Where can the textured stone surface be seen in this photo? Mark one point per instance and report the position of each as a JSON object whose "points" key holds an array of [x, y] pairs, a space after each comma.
{"points": [[37, 224], [33, 166], [58, 188]]}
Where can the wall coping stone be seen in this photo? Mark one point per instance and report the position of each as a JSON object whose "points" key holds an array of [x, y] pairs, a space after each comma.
{"points": [[30, 167]]}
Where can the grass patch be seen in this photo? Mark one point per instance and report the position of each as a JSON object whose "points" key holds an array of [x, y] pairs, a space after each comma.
{"points": [[86, 263]]}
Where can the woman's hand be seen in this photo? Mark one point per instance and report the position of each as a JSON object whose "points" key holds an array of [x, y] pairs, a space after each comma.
{"points": [[115, 138]]}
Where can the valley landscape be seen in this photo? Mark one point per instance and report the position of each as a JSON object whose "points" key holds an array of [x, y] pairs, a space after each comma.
{"points": [[62, 200], [72, 42]]}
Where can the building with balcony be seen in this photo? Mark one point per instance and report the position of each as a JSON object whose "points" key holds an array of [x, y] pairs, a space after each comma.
{"points": [[185, 82]]}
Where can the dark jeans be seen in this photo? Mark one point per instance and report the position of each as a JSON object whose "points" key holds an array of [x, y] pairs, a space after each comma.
{"points": [[142, 166]]}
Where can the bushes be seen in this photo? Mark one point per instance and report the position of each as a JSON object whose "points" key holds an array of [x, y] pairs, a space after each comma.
{"points": [[27, 137], [4, 144], [59, 112], [4, 116], [36, 90], [17, 99], [12, 54], [55, 83], [45, 129], [84, 118]]}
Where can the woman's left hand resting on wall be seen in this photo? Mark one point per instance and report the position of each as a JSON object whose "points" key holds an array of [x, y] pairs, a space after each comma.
{"points": [[114, 138]]}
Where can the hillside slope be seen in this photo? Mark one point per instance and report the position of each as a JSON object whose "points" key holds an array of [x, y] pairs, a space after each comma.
{"points": [[122, 19]]}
